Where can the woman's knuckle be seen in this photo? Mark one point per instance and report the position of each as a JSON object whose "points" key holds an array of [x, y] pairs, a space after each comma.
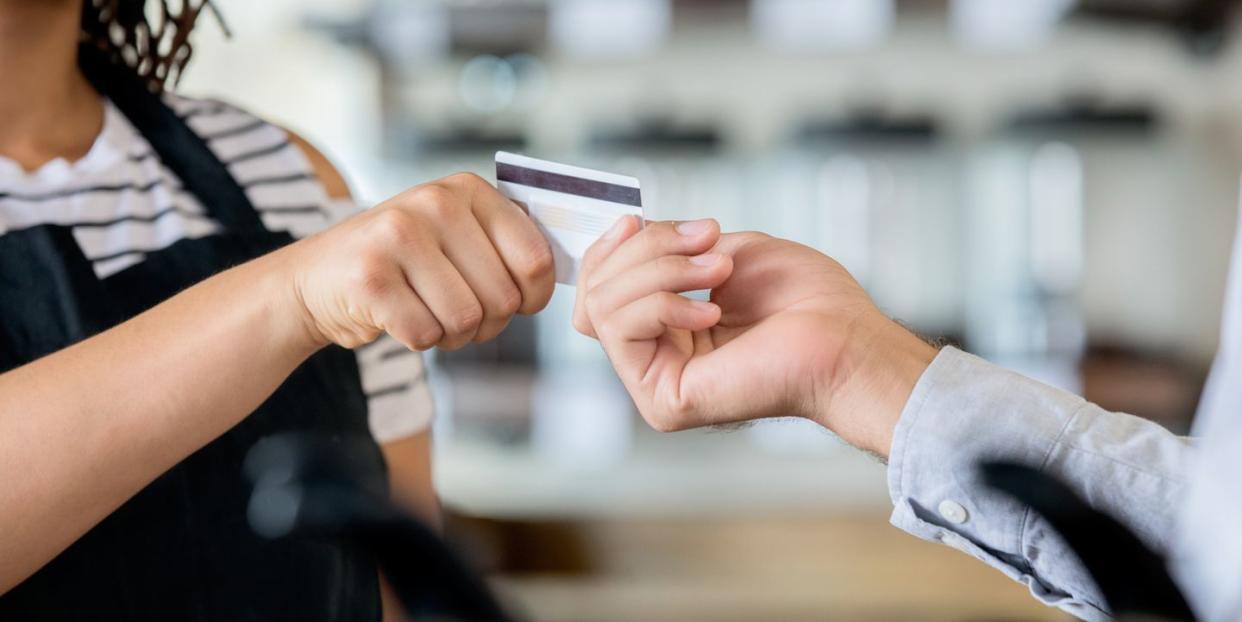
{"points": [[538, 262], [427, 336], [357, 337], [510, 301], [467, 319], [466, 179], [436, 200], [369, 275], [396, 227]]}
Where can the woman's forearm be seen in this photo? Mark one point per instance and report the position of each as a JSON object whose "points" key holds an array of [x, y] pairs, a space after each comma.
{"points": [[84, 429], [442, 264]]}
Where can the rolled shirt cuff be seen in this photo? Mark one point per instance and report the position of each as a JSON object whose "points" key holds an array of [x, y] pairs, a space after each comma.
{"points": [[963, 411]]}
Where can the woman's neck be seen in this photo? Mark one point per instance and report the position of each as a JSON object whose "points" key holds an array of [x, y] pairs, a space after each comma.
{"points": [[47, 108]]}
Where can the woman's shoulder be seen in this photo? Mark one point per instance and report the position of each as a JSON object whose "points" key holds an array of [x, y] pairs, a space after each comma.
{"points": [[278, 170], [204, 113], [224, 124], [208, 110]]}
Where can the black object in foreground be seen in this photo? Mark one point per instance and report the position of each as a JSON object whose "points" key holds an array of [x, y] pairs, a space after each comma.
{"points": [[1133, 578], [303, 487]]}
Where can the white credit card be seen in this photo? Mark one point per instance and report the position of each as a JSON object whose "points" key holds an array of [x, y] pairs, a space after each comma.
{"points": [[572, 206]]}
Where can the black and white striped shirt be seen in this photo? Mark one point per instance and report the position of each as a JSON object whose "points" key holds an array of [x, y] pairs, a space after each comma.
{"points": [[121, 202]]}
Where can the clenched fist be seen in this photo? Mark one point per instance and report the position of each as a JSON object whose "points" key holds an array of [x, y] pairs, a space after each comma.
{"points": [[442, 264]]}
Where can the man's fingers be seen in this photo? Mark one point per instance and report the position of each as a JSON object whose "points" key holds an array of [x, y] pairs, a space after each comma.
{"points": [[671, 273], [522, 248], [630, 338], [657, 239], [471, 252], [650, 316], [622, 230]]}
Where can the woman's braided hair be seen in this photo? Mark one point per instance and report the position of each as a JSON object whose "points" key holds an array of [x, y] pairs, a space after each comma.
{"points": [[154, 43]]}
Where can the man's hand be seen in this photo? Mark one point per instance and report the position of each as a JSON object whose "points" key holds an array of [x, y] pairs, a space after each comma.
{"points": [[442, 264], [788, 332]]}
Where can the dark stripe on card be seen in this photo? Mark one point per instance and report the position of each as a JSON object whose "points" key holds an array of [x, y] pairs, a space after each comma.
{"points": [[568, 184]]}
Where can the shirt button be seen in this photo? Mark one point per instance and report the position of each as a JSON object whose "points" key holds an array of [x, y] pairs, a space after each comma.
{"points": [[953, 512]]}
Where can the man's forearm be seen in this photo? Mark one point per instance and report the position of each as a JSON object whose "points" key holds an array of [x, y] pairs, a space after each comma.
{"points": [[84, 429]]}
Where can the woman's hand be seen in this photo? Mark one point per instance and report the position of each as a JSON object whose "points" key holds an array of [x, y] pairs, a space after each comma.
{"points": [[442, 264], [788, 332]]}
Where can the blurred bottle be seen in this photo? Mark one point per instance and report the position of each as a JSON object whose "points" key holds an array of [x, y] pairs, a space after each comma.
{"points": [[1025, 258]]}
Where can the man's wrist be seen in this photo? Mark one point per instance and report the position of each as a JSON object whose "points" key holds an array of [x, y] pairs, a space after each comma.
{"points": [[878, 368]]}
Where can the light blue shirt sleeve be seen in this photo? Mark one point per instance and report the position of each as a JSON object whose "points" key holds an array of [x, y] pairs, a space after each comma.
{"points": [[964, 410]]}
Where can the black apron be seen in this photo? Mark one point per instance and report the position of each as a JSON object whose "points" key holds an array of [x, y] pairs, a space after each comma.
{"points": [[181, 549]]}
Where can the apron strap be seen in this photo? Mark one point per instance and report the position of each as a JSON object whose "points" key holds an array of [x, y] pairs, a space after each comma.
{"points": [[184, 152]]}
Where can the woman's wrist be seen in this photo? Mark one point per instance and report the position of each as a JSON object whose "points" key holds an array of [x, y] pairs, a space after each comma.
{"points": [[273, 279], [878, 368]]}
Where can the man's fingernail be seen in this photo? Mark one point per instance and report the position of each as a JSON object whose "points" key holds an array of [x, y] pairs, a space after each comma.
{"points": [[708, 259], [694, 227], [617, 228]]}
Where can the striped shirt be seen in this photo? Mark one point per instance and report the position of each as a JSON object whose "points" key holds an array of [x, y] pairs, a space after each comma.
{"points": [[122, 202]]}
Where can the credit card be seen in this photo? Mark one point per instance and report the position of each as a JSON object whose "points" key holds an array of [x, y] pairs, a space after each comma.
{"points": [[572, 206]]}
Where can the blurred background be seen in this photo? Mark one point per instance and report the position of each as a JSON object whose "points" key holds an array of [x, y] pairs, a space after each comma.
{"points": [[1052, 184]]}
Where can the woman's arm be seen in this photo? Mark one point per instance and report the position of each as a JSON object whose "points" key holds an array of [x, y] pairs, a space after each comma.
{"points": [[409, 475], [84, 429], [409, 457]]}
